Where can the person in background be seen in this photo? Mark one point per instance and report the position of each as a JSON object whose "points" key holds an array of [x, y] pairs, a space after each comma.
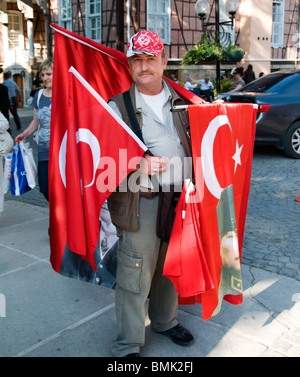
{"points": [[174, 78], [6, 144], [249, 74], [238, 81], [41, 122], [191, 87], [4, 100], [37, 84], [237, 65], [14, 94], [206, 89]]}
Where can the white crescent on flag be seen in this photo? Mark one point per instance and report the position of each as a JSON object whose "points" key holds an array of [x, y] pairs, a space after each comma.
{"points": [[207, 152], [82, 135]]}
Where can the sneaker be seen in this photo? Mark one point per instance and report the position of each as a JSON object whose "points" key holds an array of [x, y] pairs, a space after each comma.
{"points": [[179, 335]]}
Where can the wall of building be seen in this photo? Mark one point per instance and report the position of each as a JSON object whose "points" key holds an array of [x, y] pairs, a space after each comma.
{"points": [[253, 30], [255, 34]]}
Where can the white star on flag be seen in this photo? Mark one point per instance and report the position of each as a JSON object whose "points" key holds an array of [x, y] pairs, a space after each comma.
{"points": [[237, 156]]}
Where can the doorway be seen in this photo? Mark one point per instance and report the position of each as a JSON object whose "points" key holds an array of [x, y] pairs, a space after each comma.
{"points": [[19, 81]]}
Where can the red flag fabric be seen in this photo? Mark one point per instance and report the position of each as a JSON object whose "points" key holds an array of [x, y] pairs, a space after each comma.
{"points": [[75, 196], [93, 174], [185, 263], [107, 72], [222, 142]]}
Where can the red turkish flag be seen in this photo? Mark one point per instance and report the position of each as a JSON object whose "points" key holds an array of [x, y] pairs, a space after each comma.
{"points": [[74, 214], [107, 72], [222, 142], [96, 162]]}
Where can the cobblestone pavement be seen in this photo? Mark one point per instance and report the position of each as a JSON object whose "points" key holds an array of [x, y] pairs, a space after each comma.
{"points": [[272, 238]]}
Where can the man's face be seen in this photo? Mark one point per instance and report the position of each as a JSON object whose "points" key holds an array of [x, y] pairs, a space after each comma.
{"points": [[147, 72], [230, 250]]}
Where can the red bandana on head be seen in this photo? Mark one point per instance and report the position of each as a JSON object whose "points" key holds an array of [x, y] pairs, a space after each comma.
{"points": [[145, 42]]}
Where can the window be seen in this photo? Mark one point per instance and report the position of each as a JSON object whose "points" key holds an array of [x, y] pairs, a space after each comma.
{"points": [[93, 20], [65, 14], [15, 31], [278, 23], [159, 18]]}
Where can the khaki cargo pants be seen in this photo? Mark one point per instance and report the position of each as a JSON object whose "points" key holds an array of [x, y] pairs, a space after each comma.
{"points": [[141, 256]]}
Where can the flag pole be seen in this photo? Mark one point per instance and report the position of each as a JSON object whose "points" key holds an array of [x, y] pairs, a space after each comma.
{"points": [[185, 107], [179, 108]]}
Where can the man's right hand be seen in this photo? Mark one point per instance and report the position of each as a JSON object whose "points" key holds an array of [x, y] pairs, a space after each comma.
{"points": [[151, 165]]}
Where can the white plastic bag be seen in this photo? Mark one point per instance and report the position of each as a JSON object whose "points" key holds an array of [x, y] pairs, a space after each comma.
{"points": [[29, 164], [7, 172]]}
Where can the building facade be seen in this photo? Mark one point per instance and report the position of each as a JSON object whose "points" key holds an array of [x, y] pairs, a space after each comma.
{"points": [[268, 31]]}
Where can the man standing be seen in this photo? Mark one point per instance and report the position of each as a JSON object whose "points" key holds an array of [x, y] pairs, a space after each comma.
{"points": [[141, 252], [13, 93]]}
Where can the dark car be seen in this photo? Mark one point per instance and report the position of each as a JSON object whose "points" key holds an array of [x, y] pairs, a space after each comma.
{"points": [[279, 123]]}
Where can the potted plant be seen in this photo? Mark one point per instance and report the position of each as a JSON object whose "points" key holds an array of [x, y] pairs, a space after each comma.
{"points": [[208, 51], [233, 54]]}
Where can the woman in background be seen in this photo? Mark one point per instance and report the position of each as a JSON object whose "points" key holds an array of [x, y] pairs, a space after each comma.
{"points": [[41, 122], [249, 74]]}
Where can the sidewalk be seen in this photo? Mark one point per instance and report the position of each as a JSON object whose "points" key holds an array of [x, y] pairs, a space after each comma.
{"points": [[45, 314]]}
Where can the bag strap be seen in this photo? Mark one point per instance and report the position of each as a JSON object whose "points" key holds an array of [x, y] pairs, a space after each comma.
{"points": [[39, 96], [132, 117]]}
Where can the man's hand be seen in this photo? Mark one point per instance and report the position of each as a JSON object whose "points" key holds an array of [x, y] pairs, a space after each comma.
{"points": [[151, 165]]}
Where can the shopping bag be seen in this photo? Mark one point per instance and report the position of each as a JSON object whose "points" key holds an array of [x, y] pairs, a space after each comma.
{"points": [[185, 263], [23, 169], [29, 164]]}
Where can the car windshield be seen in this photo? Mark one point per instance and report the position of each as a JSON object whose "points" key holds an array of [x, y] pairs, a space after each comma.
{"points": [[264, 84]]}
